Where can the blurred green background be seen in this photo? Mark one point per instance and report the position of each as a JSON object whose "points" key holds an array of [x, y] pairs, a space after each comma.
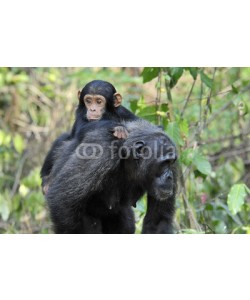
{"points": [[204, 110]]}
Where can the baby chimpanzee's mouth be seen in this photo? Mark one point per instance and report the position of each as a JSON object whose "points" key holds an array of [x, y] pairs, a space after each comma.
{"points": [[93, 117]]}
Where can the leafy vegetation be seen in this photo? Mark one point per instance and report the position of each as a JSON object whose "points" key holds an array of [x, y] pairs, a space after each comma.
{"points": [[204, 110]]}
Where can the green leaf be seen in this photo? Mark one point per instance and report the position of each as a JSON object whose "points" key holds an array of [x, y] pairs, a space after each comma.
{"points": [[164, 107], [204, 78], [202, 164], [184, 127], [18, 143], [167, 77], [1, 137], [1, 80], [161, 113], [235, 198], [173, 130], [141, 206], [141, 103], [52, 77], [198, 174], [243, 108], [234, 89], [193, 72], [147, 111], [149, 73], [175, 73], [191, 231], [162, 110], [187, 156], [5, 138], [33, 180], [20, 78], [134, 105], [210, 107], [4, 208], [23, 190]]}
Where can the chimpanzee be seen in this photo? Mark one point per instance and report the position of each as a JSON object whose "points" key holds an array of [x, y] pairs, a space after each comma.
{"points": [[97, 100], [95, 183]]}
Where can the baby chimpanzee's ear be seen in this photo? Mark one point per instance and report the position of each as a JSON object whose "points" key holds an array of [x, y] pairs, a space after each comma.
{"points": [[79, 95], [117, 99]]}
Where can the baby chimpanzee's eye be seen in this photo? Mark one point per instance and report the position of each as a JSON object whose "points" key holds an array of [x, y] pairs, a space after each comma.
{"points": [[88, 101]]}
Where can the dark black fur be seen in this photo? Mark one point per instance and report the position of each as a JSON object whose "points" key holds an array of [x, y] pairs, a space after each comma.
{"points": [[50, 158], [96, 195], [112, 113]]}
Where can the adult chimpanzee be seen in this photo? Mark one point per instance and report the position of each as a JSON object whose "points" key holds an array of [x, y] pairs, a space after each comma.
{"points": [[97, 100], [94, 187]]}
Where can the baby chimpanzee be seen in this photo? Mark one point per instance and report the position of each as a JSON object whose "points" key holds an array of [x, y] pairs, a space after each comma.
{"points": [[98, 100]]}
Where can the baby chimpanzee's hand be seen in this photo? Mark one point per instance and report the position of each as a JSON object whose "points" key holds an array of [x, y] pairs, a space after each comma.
{"points": [[120, 132]]}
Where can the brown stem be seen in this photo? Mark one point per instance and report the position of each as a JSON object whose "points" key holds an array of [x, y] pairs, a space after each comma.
{"points": [[208, 103], [188, 98], [191, 220], [170, 101], [158, 99]]}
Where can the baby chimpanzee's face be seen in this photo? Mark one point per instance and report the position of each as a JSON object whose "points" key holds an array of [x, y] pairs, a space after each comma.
{"points": [[96, 106]]}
